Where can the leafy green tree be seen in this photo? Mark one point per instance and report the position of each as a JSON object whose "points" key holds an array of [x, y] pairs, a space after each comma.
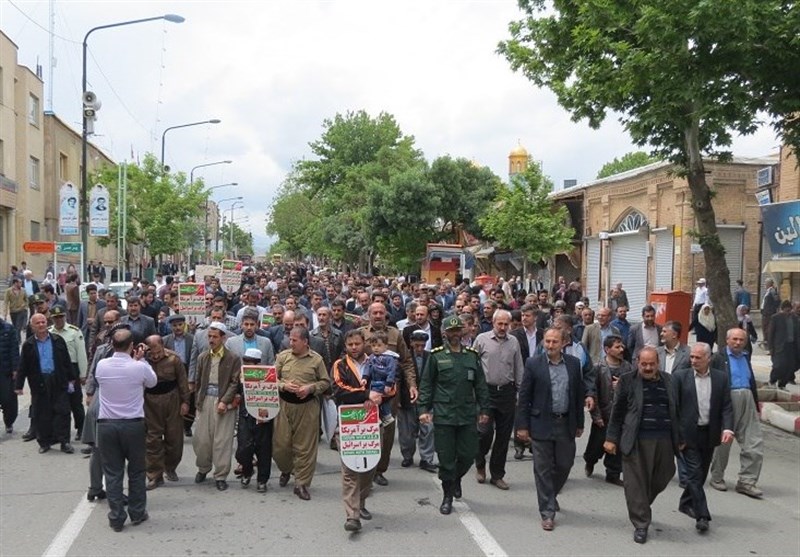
{"points": [[629, 161], [522, 217], [164, 212], [401, 216], [466, 192], [242, 240], [683, 76]]}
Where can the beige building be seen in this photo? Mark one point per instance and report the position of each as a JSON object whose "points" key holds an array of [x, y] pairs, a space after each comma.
{"points": [[636, 229], [38, 152]]}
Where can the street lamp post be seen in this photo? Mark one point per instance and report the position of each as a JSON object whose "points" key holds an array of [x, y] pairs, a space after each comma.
{"points": [[164, 135], [84, 203], [206, 239], [220, 202], [191, 172], [230, 225]]}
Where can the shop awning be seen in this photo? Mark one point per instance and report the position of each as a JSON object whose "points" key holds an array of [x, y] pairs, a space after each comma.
{"points": [[782, 266]]}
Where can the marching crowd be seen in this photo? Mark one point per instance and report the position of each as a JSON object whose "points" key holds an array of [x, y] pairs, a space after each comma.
{"points": [[457, 372]]}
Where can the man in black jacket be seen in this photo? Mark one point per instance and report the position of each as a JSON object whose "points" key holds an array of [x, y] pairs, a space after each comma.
{"points": [[644, 428], [703, 398], [45, 363], [9, 364], [550, 413]]}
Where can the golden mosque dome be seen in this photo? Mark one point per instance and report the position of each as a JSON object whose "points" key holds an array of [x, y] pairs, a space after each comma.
{"points": [[518, 151]]}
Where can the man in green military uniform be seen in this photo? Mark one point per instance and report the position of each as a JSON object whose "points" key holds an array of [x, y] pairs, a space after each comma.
{"points": [[453, 387], [76, 345]]}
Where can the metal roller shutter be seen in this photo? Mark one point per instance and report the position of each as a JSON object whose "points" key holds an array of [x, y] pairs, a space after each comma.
{"points": [[733, 241], [664, 258], [629, 266], [592, 270]]}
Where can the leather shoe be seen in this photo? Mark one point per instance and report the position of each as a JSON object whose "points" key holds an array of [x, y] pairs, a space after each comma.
{"points": [[100, 495], [640, 535], [352, 525], [302, 492], [171, 475], [28, 436], [245, 481], [688, 511], [43, 449], [615, 480], [284, 479], [749, 490], [588, 470], [364, 514], [141, 519], [200, 477], [519, 452], [381, 480], [457, 489], [117, 527], [428, 466], [548, 524], [262, 487], [154, 483], [407, 462], [222, 485], [499, 483], [480, 475], [86, 450], [719, 485], [702, 525], [67, 448], [447, 505]]}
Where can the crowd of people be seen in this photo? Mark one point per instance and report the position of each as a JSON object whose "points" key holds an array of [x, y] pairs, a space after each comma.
{"points": [[457, 372]]}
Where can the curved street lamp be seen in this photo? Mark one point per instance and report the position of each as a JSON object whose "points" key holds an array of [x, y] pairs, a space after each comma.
{"points": [[191, 172], [84, 202], [206, 239], [164, 135]]}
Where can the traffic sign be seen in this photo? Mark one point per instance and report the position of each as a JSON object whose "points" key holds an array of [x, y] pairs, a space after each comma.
{"points": [[69, 247], [39, 247]]}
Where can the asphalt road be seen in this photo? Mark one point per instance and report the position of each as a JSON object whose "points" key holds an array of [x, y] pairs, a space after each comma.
{"points": [[43, 508]]}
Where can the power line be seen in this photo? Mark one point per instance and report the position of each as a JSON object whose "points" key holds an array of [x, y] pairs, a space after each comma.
{"points": [[29, 18]]}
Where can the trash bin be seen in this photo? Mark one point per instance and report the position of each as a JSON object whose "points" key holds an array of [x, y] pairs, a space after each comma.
{"points": [[675, 305]]}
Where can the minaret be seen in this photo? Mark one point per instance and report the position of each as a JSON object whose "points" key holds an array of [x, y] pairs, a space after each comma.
{"points": [[517, 160]]}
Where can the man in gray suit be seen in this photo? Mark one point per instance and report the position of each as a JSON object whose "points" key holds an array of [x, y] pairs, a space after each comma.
{"points": [[596, 333], [249, 339], [141, 325], [644, 333], [199, 345], [179, 341], [672, 354], [88, 311]]}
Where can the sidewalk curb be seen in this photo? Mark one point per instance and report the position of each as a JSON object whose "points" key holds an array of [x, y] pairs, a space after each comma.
{"points": [[778, 416]]}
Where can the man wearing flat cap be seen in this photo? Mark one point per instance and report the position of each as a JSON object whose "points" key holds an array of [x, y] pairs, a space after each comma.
{"points": [[410, 431], [452, 392], [76, 346]]}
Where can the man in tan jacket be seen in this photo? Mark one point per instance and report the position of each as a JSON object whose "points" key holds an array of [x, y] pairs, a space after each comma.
{"points": [[218, 372]]}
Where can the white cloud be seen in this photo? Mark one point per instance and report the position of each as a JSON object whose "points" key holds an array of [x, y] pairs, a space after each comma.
{"points": [[273, 71]]}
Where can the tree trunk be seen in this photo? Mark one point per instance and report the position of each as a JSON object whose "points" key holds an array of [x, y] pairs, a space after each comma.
{"points": [[717, 273]]}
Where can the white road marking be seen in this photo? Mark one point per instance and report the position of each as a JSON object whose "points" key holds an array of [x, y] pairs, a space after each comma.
{"points": [[70, 530], [477, 531]]}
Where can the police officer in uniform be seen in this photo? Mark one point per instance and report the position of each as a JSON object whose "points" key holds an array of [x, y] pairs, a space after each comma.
{"points": [[453, 388], [76, 345]]}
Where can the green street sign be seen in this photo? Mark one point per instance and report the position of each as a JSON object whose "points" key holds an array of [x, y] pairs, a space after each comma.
{"points": [[69, 247]]}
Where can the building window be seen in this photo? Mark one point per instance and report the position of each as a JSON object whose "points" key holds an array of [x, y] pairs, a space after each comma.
{"points": [[2, 234], [33, 109], [632, 222], [63, 167], [33, 172], [35, 231], [2, 159]]}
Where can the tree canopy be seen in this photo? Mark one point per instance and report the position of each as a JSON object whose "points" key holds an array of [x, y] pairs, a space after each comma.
{"points": [[369, 192], [684, 76], [522, 217], [628, 161]]}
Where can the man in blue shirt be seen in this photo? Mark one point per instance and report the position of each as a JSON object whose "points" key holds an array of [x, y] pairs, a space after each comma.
{"points": [[747, 427], [46, 364]]}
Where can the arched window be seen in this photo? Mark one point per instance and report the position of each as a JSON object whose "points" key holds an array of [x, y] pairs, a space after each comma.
{"points": [[632, 222]]}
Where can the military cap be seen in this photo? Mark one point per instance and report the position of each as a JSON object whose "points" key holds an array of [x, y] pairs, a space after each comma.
{"points": [[38, 298], [56, 311], [452, 322]]}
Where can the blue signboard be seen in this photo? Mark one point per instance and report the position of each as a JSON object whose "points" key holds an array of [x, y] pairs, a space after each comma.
{"points": [[782, 227]]}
